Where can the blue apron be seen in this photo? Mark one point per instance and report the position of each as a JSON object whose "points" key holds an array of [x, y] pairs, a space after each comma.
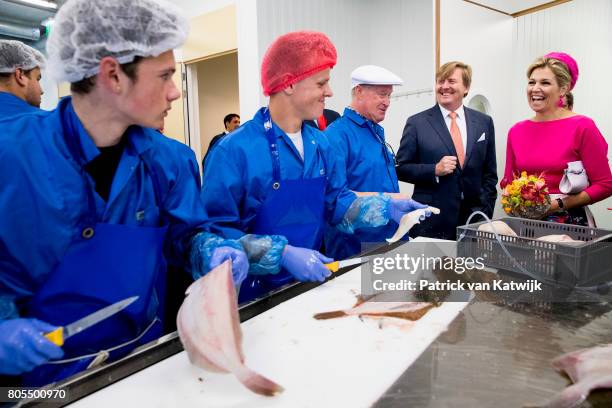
{"points": [[105, 263], [292, 208]]}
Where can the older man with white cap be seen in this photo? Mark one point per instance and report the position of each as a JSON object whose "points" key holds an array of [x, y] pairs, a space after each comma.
{"points": [[20, 90], [363, 152], [94, 200], [274, 182]]}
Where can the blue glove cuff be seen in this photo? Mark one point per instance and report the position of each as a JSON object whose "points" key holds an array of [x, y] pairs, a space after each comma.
{"points": [[8, 309], [366, 212], [203, 245], [264, 253]]}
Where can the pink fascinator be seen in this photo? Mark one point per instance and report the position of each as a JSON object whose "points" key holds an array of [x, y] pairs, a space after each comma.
{"points": [[570, 62]]}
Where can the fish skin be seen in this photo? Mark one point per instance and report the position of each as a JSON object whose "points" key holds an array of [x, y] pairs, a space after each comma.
{"points": [[589, 369], [209, 328], [409, 220], [368, 307]]}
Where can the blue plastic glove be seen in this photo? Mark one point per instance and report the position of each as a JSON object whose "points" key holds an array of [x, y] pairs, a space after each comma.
{"points": [[240, 263], [23, 346], [305, 264], [399, 207]]}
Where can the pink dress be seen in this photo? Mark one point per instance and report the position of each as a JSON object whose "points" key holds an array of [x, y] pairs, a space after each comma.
{"points": [[547, 147]]}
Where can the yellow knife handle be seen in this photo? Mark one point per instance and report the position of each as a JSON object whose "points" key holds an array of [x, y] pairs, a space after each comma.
{"points": [[56, 336], [333, 266]]}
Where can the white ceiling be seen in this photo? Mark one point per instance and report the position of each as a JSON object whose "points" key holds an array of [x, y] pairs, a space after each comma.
{"points": [[511, 6], [197, 7], [18, 12]]}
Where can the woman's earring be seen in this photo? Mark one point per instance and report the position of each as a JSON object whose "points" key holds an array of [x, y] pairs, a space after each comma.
{"points": [[561, 103]]}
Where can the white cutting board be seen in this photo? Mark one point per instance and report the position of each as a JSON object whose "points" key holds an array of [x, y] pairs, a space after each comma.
{"points": [[320, 363]]}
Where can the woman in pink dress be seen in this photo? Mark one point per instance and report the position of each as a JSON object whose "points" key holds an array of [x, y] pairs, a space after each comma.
{"points": [[555, 136]]}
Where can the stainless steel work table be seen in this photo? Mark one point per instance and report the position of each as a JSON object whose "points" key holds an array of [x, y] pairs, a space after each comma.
{"points": [[499, 356], [491, 356]]}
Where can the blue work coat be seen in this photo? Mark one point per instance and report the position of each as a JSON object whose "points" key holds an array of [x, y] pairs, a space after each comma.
{"points": [[10, 105], [369, 166], [44, 195], [238, 175]]}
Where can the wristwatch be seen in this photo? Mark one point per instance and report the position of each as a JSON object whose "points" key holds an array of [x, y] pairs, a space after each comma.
{"points": [[560, 203]]}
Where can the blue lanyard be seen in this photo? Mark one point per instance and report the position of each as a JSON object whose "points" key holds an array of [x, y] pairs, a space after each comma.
{"points": [[271, 136], [386, 147]]}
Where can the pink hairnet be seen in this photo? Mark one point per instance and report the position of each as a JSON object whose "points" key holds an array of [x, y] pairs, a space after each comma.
{"points": [[293, 57], [570, 62]]}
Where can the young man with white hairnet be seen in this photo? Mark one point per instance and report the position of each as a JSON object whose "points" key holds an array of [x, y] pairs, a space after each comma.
{"points": [[273, 183], [20, 90], [94, 200]]}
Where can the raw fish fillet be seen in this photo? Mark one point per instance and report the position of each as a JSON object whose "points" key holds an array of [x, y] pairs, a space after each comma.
{"points": [[369, 308], [500, 227], [588, 369], [209, 328], [562, 238], [410, 220]]}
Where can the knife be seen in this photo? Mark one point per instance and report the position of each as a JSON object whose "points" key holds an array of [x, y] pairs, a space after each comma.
{"points": [[334, 266], [60, 334]]}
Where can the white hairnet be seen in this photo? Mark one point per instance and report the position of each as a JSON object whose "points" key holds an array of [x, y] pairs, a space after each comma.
{"points": [[85, 31], [15, 54]]}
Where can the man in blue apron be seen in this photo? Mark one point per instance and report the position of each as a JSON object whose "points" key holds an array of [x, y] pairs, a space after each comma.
{"points": [[20, 90], [94, 200], [274, 182], [364, 153]]}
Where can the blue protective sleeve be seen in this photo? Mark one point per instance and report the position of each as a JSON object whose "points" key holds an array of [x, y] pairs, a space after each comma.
{"points": [[264, 252], [8, 309], [366, 212], [203, 244]]}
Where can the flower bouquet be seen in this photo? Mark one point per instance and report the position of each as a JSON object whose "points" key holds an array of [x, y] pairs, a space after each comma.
{"points": [[526, 196]]}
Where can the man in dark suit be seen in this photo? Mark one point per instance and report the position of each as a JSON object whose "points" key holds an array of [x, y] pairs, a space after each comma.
{"points": [[448, 153], [231, 121]]}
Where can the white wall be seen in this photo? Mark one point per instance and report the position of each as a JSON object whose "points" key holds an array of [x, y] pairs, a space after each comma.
{"points": [[248, 57], [582, 28], [402, 41], [483, 39], [341, 20], [396, 34], [193, 8]]}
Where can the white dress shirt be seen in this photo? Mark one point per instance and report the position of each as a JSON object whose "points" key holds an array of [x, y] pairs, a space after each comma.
{"points": [[460, 122]]}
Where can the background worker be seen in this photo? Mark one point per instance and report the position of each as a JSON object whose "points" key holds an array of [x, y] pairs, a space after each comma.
{"points": [[20, 75]]}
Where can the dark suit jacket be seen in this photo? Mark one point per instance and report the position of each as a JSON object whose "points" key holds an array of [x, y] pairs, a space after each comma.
{"points": [[425, 141], [328, 114], [213, 141]]}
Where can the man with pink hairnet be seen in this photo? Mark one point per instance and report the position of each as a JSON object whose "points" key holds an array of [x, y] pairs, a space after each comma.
{"points": [[274, 182]]}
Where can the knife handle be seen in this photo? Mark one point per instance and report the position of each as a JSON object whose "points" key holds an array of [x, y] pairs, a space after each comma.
{"points": [[333, 266], [56, 336]]}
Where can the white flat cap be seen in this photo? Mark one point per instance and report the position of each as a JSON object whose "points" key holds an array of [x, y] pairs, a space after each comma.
{"points": [[374, 75]]}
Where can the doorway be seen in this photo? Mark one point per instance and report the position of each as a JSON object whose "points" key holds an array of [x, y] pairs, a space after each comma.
{"points": [[212, 93]]}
